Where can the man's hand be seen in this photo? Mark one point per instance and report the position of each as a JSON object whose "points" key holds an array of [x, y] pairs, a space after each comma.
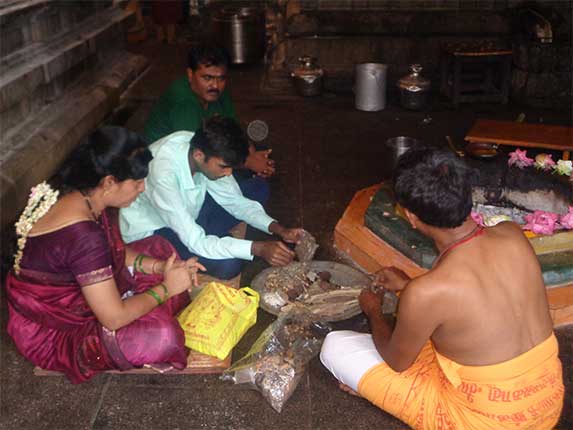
{"points": [[260, 163], [289, 235], [275, 253], [391, 278], [370, 302]]}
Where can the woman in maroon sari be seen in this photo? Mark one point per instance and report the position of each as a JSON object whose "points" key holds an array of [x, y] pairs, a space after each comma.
{"points": [[74, 306]]}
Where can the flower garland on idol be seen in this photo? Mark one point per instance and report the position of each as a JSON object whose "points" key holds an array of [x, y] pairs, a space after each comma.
{"points": [[42, 198], [538, 222]]}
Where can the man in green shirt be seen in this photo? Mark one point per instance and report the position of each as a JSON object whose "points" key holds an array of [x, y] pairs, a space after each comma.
{"points": [[192, 99], [201, 94]]}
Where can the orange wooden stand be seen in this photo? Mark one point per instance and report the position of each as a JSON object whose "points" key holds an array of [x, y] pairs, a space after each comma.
{"points": [[543, 136], [371, 253]]}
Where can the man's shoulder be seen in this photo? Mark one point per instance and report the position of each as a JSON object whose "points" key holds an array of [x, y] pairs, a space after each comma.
{"points": [[178, 89], [173, 144]]}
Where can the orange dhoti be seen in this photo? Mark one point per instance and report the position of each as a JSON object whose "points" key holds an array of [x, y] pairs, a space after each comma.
{"points": [[435, 393]]}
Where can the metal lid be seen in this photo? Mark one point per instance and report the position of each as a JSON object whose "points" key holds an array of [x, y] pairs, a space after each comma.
{"points": [[307, 67], [414, 82]]}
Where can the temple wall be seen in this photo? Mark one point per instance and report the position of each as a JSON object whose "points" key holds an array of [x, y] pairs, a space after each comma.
{"points": [[64, 68]]}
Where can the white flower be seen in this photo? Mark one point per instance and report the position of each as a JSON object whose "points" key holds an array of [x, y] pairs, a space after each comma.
{"points": [[564, 167], [42, 198]]}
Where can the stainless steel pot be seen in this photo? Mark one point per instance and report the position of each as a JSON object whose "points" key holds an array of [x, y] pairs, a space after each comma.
{"points": [[307, 77], [241, 30], [414, 89], [398, 146]]}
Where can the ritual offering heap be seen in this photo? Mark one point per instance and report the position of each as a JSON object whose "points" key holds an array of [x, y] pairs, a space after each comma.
{"points": [[327, 289]]}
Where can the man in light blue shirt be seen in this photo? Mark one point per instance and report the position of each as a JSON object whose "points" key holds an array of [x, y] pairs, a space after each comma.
{"points": [[184, 168]]}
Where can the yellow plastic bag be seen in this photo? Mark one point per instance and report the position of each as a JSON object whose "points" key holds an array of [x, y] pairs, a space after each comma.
{"points": [[217, 319]]}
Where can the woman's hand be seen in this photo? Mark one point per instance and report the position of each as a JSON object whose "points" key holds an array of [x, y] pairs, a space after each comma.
{"points": [[193, 267], [391, 278], [180, 275]]}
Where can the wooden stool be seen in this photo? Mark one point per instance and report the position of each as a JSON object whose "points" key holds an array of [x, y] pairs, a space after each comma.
{"points": [[475, 73]]}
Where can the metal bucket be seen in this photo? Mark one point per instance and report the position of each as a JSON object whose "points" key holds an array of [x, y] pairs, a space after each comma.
{"points": [[240, 30], [398, 146], [370, 86]]}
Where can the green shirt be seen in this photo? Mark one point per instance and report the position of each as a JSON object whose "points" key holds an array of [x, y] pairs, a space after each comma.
{"points": [[179, 109]]}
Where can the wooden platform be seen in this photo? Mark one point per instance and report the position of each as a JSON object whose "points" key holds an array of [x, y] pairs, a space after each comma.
{"points": [[521, 134], [371, 253]]}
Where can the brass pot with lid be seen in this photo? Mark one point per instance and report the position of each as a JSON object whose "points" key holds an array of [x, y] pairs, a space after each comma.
{"points": [[414, 89], [307, 77]]}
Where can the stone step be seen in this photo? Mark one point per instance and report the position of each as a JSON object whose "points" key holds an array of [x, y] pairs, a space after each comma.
{"points": [[41, 143], [39, 73]]}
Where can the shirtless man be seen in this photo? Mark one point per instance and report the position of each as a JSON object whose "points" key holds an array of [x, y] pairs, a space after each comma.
{"points": [[473, 345]]}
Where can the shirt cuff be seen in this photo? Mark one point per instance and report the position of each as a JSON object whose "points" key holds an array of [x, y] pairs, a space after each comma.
{"points": [[242, 249], [263, 223]]}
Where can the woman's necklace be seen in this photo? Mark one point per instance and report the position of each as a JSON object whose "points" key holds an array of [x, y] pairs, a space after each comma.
{"points": [[90, 207], [478, 230]]}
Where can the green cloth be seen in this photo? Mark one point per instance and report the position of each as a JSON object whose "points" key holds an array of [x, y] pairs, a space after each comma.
{"points": [[179, 109]]}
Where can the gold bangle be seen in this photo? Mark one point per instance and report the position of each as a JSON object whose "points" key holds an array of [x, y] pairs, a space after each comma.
{"points": [[154, 295]]}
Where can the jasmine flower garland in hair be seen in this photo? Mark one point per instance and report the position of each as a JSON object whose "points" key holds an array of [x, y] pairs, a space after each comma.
{"points": [[42, 198]]}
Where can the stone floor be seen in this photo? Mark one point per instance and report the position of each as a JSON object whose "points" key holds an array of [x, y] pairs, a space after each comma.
{"points": [[325, 151]]}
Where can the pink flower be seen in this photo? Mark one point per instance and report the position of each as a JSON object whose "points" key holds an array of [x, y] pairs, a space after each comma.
{"points": [[478, 218], [544, 162], [519, 158], [566, 221], [541, 222]]}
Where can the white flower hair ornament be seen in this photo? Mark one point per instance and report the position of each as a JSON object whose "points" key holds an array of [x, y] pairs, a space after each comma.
{"points": [[42, 198]]}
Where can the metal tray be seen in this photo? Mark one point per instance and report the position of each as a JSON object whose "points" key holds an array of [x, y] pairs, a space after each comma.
{"points": [[342, 275]]}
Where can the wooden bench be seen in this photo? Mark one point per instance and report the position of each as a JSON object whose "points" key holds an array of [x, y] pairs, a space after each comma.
{"points": [[520, 134]]}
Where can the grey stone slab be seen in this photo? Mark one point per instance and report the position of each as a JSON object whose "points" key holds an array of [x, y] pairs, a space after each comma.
{"points": [[334, 409], [202, 404], [29, 402]]}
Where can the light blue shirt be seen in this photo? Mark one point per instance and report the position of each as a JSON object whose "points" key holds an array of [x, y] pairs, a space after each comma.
{"points": [[173, 198]]}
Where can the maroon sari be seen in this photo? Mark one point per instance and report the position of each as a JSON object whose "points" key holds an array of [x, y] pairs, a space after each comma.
{"points": [[51, 322]]}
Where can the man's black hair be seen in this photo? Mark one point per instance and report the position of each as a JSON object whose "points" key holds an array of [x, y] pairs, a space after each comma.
{"points": [[207, 55], [435, 185], [222, 137]]}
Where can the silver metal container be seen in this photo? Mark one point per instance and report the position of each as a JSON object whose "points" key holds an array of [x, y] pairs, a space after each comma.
{"points": [[370, 86], [398, 146], [241, 30], [414, 89], [307, 77]]}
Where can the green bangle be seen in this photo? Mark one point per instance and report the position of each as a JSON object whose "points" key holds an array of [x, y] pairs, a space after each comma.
{"points": [[139, 262], [154, 295], [136, 263], [165, 292]]}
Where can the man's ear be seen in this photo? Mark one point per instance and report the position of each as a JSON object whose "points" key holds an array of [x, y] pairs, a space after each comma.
{"points": [[198, 155], [189, 74]]}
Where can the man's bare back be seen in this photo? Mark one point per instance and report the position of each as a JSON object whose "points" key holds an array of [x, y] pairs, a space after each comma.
{"points": [[488, 298]]}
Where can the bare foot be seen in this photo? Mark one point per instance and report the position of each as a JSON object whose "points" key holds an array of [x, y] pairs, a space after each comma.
{"points": [[348, 390]]}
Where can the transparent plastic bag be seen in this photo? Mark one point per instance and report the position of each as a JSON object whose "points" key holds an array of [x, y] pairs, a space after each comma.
{"points": [[278, 359]]}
